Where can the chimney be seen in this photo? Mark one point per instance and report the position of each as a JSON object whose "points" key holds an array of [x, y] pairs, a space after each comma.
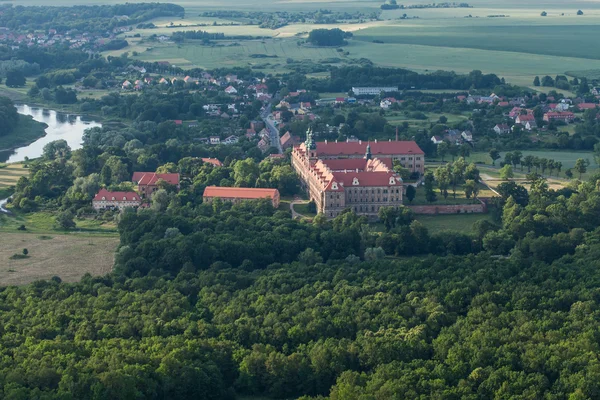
{"points": [[325, 141], [390, 140], [336, 140], [375, 140], [356, 170], [360, 142]]}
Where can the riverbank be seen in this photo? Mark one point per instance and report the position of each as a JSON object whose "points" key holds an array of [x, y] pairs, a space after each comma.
{"points": [[27, 132]]}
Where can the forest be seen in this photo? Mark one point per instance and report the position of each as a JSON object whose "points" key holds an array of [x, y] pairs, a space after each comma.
{"points": [[83, 18], [9, 118]]}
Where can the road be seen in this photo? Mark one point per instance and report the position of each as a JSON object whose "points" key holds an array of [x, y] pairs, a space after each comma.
{"points": [[273, 131]]}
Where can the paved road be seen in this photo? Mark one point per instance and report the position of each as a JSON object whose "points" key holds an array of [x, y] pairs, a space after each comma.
{"points": [[273, 131], [294, 213]]}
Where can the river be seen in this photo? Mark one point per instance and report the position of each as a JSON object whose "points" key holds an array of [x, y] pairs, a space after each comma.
{"points": [[69, 127]]}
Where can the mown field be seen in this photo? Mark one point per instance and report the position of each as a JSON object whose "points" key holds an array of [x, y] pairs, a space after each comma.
{"points": [[567, 158], [66, 256]]}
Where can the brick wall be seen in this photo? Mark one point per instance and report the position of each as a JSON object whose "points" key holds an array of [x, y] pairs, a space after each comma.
{"points": [[447, 209]]}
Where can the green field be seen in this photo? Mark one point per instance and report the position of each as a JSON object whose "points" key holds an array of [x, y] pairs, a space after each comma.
{"points": [[567, 158], [10, 174], [43, 222], [190, 55]]}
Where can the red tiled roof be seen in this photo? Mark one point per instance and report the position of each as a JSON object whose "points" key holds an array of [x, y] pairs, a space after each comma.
{"points": [[239, 193], [150, 178], [350, 148], [342, 164], [119, 196], [365, 178], [526, 117], [587, 106], [213, 161]]}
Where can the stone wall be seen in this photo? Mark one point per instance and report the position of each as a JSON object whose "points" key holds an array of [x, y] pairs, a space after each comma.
{"points": [[449, 209]]}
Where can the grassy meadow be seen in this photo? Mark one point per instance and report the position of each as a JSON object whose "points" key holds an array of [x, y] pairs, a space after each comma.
{"points": [[66, 256]]}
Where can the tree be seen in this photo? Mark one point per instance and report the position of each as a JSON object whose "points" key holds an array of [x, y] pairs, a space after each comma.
{"points": [[442, 176], [15, 79], [506, 172], [579, 12], [569, 174], [465, 150], [597, 153], [58, 149], [442, 150], [516, 158], [411, 192], [25, 252], [471, 188], [428, 185], [64, 220], [547, 81], [494, 155], [581, 166], [160, 200], [536, 81], [544, 13]]}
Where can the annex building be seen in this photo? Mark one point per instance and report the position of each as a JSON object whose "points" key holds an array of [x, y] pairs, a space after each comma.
{"points": [[355, 175]]}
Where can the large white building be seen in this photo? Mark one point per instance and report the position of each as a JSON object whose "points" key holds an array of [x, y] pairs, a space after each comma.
{"points": [[373, 91]]}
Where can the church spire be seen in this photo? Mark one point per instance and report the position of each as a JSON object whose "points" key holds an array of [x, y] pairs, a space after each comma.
{"points": [[310, 141], [368, 155]]}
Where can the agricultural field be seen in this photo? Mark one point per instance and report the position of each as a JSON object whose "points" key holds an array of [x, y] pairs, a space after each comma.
{"points": [[10, 174], [268, 53], [66, 256], [398, 118]]}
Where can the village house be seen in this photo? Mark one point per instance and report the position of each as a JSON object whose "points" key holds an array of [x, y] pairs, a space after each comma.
{"points": [[287, 140], [147, 182], [236, 195], [231, 139], [523, 118], [502, 129], [263, 145], [231, 90], [212, 161], [373, 91], [215, 140], [559, 116], [587, 106], [467, 136], [436, 140], [105, 200]]}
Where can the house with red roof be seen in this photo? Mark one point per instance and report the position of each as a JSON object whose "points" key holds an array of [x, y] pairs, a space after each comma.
{"points": [[236, 195], [212, 161], [105, 200], [587, 106], [565, 116], [147, 182]]}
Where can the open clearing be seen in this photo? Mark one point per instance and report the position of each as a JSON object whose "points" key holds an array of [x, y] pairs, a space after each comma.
{"points": [[66, 256], [567, 158], [10, 174]]}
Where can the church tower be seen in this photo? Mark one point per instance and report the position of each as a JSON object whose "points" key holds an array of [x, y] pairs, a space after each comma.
{"points": [[311, 145], [368, 154]]}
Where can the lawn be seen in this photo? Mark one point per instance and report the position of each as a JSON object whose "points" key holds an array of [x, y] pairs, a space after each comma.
{"points": [[454, 222], [66, 256], [567, 158], [303, 210], [420, 199], [43, 222]]}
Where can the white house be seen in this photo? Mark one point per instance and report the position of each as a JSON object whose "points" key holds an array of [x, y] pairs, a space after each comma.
{"points": [[436, 140], [115, 200], [215, 140]]}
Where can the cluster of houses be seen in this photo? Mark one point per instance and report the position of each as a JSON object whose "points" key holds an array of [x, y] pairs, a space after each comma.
{"points": [[149, 182], [53, 37]]}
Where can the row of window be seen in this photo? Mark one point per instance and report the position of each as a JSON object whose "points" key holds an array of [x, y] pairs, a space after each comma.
{"points": [[124, 198]]}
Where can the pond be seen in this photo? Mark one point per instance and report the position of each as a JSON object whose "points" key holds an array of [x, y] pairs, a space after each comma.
{"points": [[69, 127]]}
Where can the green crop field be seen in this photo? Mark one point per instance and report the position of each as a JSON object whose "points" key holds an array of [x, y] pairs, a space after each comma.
{"points": [[247, 52]]}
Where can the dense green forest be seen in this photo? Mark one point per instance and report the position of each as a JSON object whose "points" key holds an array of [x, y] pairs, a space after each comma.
{"points": [[9, 118], [84, 18], [454, 327]]}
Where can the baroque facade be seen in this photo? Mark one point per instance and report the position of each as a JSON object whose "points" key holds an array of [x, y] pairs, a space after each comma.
{"points": [[355, 175]]}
